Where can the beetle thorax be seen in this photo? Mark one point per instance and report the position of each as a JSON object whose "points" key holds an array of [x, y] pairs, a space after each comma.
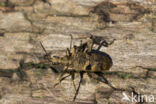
{"points": [[61, 60]]}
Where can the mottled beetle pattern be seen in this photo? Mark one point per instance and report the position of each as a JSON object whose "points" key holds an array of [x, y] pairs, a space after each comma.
{"points": [[83, 59]]}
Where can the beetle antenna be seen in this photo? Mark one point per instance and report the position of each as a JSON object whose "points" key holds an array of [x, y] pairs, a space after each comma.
{"points": [[77, 91], [71, 40], [47, 54], [43, 48]]}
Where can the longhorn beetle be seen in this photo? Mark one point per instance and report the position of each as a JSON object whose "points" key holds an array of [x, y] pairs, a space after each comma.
{"points": [[83, 59]]}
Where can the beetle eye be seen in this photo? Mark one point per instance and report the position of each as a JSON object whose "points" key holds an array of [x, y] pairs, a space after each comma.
{"points": [[55, 56], [55, 63]]}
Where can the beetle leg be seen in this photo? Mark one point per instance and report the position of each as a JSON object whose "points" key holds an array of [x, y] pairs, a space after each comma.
{"points": [[73, 77], [63, 78], [90, 45], [90, 75], [104, 79], [77, 91], [68, 52], [104, 43]]}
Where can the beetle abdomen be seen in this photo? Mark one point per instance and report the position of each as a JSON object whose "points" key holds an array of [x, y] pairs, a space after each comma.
{"points": [[100, 61], [94, 61]]}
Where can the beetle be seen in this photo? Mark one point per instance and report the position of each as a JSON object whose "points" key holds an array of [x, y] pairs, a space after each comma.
{"points": [[83, 59]]}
